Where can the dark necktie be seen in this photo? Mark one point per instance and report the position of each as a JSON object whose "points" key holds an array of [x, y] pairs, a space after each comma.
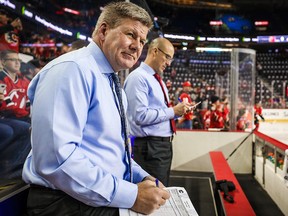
{"points": [[172, 121], [120, 106]]}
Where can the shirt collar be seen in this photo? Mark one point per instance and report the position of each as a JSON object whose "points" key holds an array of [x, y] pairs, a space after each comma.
{"points": [[8, 75], [147, 68], [96, 52]]}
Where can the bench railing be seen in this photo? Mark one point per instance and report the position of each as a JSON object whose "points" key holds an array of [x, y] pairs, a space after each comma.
{"points": [[222, 170]]}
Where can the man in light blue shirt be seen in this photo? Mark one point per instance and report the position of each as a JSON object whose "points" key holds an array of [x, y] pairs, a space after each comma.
{"points": [[150, 117], [78, 164]]}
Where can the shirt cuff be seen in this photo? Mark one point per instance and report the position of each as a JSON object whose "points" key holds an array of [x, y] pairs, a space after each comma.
{"points": [[125, 196], [170, 113], [139, 175]]}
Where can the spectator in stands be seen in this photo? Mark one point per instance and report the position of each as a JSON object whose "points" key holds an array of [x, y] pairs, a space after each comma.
{"points": [[206, 118], [242, 120], [169, 85], [150, 117], [9, 38], [77, 45], [37, 65], [14, 116], [216, 116], [201, 97], [177, 93], [193, 93], [63, 49], [258, 114], [14, 144], [16, 103], [80, 162], [173, 74], [259, 69], [226, 110], [185, 121], [170, 93], [31, 68]]}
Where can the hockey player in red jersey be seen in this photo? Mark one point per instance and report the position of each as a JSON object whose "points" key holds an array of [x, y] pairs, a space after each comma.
{"points": [[257, 114]]}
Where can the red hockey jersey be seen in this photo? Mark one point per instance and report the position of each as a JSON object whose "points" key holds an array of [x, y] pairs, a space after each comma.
{"points": [[182, 97], [9, 40], [16, 102]]}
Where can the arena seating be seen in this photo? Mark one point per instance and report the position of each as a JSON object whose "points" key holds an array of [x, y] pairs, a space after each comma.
{"points": [[203, 68]]}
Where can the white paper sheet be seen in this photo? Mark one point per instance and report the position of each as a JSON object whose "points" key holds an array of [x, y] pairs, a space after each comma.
{"points": [[179, 204]]}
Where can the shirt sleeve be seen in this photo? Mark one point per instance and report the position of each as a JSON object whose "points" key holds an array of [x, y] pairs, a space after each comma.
{"points": [[147, 110], [138, 173]]}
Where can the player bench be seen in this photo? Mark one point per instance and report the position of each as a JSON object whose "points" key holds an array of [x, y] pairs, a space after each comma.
{"points": [[222, 171]]}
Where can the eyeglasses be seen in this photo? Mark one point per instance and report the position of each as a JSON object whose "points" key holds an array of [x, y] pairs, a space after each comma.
{"points": [[14, 60], [167, 56]]}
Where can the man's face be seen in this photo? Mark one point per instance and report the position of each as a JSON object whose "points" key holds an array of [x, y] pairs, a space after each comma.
{"points": [[123, 45], [186, 89], [11, 63], [163, 58]]}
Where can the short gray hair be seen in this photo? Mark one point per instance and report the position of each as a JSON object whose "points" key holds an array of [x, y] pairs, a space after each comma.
{"points": [[113, 13]]}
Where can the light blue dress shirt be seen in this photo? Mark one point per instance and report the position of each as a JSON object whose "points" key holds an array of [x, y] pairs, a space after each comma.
{"points": [[147, 113], [77, 145]]}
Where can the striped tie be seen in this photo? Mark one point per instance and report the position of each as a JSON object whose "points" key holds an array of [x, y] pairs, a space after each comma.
{"points": [[115, 79]]}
